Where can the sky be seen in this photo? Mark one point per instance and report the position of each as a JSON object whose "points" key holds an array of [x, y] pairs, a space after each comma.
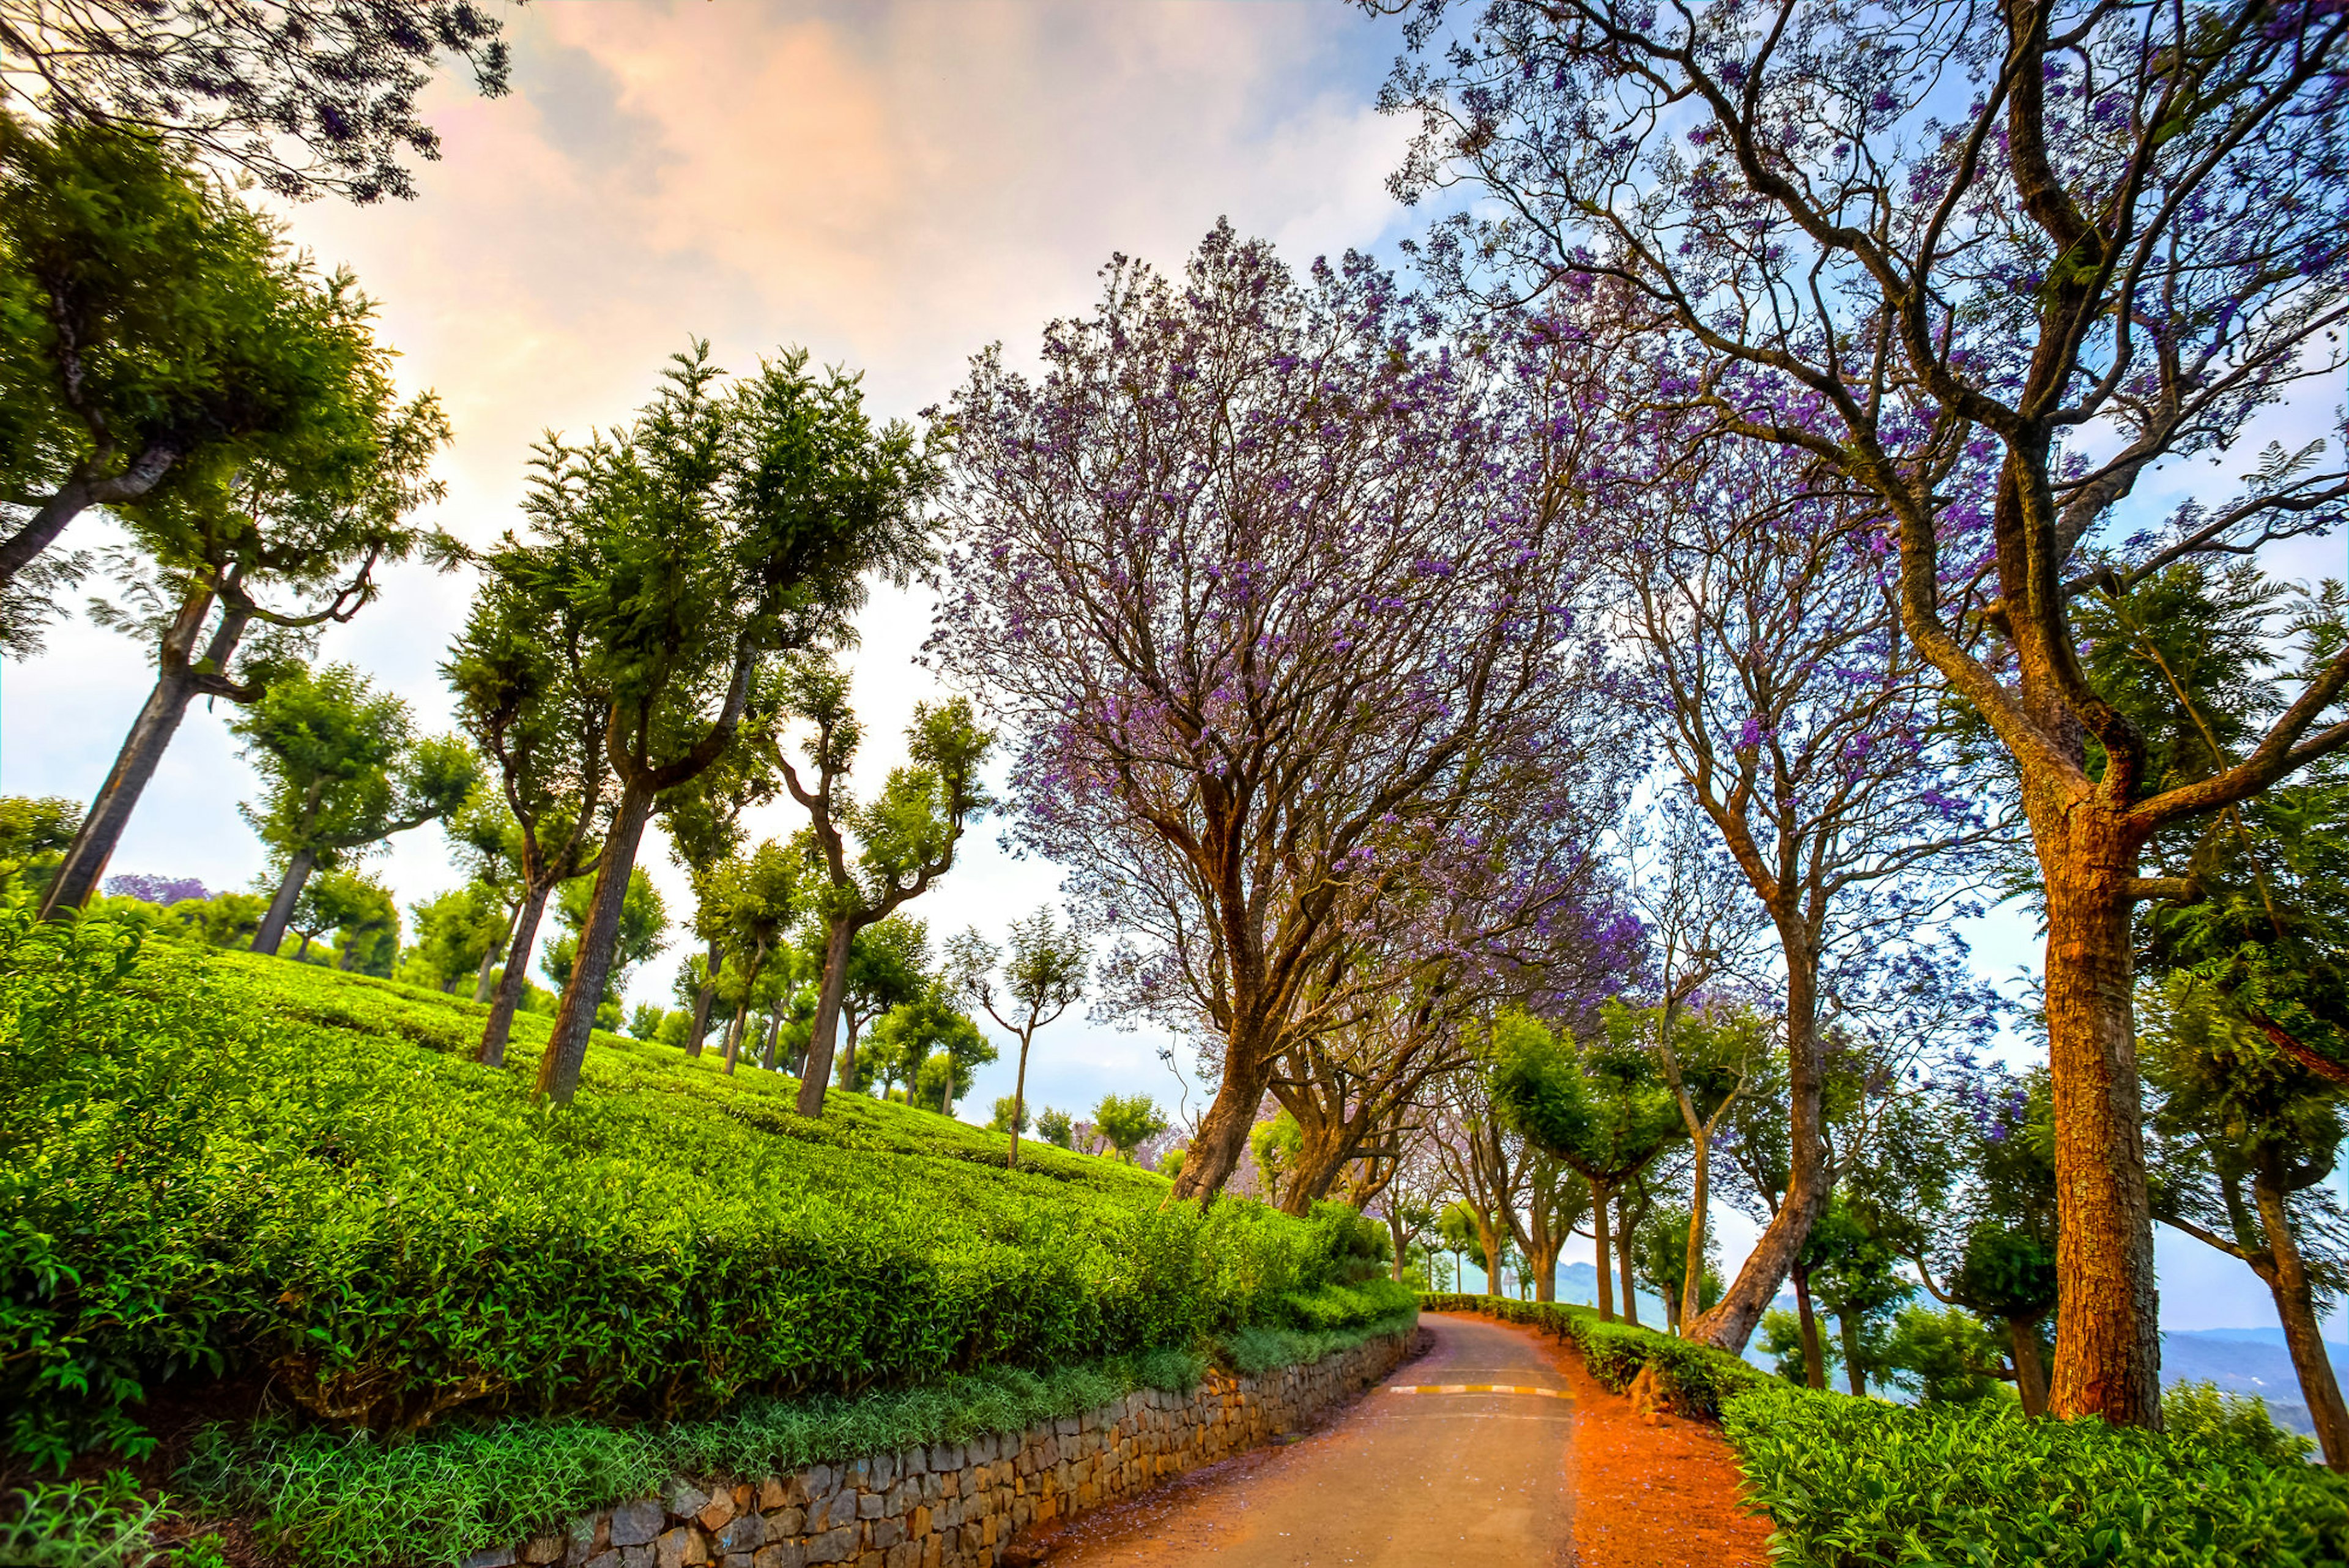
{"points": [[894, 185]]}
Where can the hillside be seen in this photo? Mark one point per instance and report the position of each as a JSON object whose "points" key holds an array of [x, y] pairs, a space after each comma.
{"points": [[235, 1170]]}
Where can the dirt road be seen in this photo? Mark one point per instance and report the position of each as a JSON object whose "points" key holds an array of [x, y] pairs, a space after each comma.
{"points": [[1454, 1480]]}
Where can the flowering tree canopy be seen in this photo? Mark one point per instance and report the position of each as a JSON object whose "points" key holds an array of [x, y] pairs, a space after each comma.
{"points": [[1278, 593], [2063, 241]]}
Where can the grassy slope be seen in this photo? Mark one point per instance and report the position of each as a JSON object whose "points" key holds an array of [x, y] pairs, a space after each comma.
{"points": [[261, 1168]]}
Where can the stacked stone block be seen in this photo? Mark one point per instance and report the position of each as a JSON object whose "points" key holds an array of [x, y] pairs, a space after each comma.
{"points": [[955, 1505]]}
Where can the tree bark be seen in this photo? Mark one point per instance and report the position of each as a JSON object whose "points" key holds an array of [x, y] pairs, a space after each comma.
{"points": [[2295, 1300], [490, 957], [176, 684], [2030, 1375], [272, 934], [826, 1025], [1623, 1228], [498, 1027], [1019, 1114], [78, 495], [743, 1013], [1815, 1355], [701, 1001], [1854, 1368], [1732, 1321], [1223, 1133], [1600, 1198], [574, 1021], [2107, 1330], [774, 1033]]}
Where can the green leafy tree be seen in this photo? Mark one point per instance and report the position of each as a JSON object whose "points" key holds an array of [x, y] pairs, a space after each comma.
{"points": [[342, 770], [488, 845], [751, 902], [888, 965], [902, 840], [223, 920], [912, 1038], [518, 670], [1460, 1232], [1041, 976], [159, 336], [1856, 1279], [644, 918], [1602, 1107], [304, 97], [2244, 1140], [359, 911], [1127, 1122], [704, 821], [1058, 1128], [1794, 1351], [719, 531], [456, 932], [1659, 1252], [33, 833], [1944, 1356], [1010, 1116], [1274, 1144]]}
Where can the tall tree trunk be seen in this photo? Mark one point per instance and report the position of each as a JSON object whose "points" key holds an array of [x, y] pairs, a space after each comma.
{"points": [[1600, 1198], [774, 1032], [1324, 1147], [2295, 1300], [1019, 1114], [826, 1024], [1489, 1236], [1223, 1133], [272, 934], [498, 1026], [78, 495], [1732, 1321], [702, 997], [2030, 1375], [2108, 1325], [1691, 1302], [1855, 1366], [1623, 1249], [490, 957], [742, 1012], [84, 866], [1815, 1355], [574, 1021]]}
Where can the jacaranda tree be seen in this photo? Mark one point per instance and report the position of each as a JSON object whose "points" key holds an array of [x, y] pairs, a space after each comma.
{"points": [[2054, 242], [1276, 588]]}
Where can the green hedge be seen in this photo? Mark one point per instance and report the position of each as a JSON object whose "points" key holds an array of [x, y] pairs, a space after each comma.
{"points": [[222, 1166], [1696, 1379], [1861, 1483], [1853, 1483]]}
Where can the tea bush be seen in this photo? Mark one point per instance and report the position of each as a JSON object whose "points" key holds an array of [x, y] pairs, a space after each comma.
{"points": [[1860, 1483], [221, 1166]]}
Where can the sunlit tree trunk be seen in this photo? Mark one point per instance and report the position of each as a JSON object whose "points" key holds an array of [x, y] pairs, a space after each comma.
{"points": [[498, 1027], [574, 1019], [2030, 1373], [2286, 1275], [1815, 1357], [272, 934], [825, 1028]]}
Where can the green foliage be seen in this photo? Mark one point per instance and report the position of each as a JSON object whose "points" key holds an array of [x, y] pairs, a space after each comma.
{"points": [[341, 766], [77, 1524], [1696, 1379], [1009, 1116], [360, 913], [1275, 1142], [930, 1047], [219, 1165], [33, 833], [1601, 1105], [455, 930], [1128, 1121], [1058, 1128], [1782, 1341], [643, 917], [1943, 1357], [1853, 1483]]}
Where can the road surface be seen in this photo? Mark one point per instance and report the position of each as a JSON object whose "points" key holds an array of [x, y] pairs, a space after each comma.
{"points": [[1444, 1476]]}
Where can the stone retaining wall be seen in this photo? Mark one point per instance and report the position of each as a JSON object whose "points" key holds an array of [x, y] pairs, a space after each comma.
{"points": [[957, 1505]]}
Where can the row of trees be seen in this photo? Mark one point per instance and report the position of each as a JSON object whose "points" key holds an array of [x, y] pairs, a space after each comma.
{"points": [[1781, 403]]}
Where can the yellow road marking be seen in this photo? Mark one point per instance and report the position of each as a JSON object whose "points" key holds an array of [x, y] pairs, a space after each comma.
{"points": [[1472, 1389]]}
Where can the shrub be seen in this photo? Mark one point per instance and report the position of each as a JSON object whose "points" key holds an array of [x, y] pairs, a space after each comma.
{"points": [[1857, 1481], [215, 1164], [1696, 1379]]}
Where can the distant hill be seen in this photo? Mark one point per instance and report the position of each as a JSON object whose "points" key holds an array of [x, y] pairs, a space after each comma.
{"points": [[2245, 1361]]}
